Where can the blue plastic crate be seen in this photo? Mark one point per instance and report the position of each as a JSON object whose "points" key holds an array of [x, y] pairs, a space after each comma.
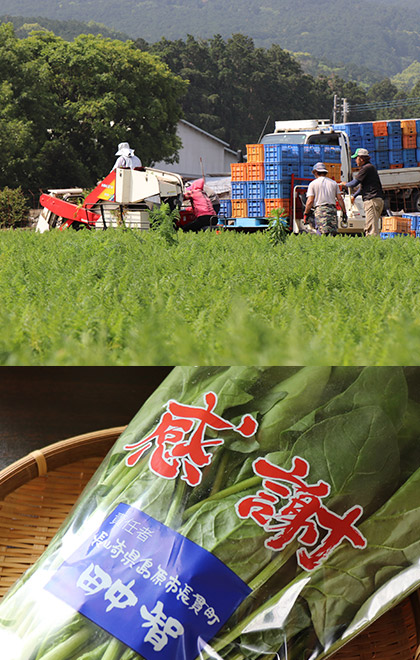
{"points": [[225, 210], [414, 219], [410, 157], [332, 154], [278, 171], [352, 130], [289, 153], [381, 143], [395, 156], [277, 189], [312, 153], [394, 142], [368, 142], [417, 125], [271, 153], [255, 190], [305, 171], [366, 130], [394, 127], [418, 155], [355, 144], [391, 234], [256, 208], [239, 189], [279, 153]]}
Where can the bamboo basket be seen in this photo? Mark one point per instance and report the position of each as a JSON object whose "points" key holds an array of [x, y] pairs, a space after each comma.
{"points": [[38, 492]]}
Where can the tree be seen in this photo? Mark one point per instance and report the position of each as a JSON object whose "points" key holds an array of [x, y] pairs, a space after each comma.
{"points": [[68, 105], [235, 87]]}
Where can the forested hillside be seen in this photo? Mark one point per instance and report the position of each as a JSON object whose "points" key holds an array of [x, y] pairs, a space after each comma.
{"points": [[381, 35], [68, 29]]}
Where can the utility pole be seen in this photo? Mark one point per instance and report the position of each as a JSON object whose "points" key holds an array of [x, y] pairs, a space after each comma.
{"points": [[345, 110], [335, 109]]}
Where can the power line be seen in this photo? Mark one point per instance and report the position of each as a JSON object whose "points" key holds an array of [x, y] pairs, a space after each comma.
{"points": [[384, 104]]}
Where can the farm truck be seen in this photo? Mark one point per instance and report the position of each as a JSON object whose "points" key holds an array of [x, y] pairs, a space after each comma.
{"points": [[283, 160], [125, 197]]}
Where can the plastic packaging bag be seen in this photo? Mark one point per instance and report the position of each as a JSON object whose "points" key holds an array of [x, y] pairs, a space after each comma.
{"points": [[245, 513]]}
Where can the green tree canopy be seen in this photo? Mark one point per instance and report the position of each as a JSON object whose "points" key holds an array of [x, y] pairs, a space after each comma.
{"points": [[235, 87], [64, 107]]}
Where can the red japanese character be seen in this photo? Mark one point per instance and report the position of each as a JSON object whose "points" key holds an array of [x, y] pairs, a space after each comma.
{"points": [[175, 448], [302, 515]]}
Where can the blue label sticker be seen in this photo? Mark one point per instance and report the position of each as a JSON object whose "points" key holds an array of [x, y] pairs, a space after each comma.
{"points": [[148, 586]]}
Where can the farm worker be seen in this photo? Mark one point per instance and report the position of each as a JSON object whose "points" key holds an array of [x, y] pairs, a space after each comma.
{"points": [[126, 157], [214, 198], [322, 195], [201, 205], [370, 187]]}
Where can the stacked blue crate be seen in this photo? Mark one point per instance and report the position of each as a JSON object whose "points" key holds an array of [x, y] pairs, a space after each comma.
{"points": [[410, 157], [239, 189], [368, 138], [390, 234], [381, 160], [415, 221], [373, 158], [394, 127], [277, 189], [310, 154], [225, 210], [381, 143], [353, 131], [280, 171], [280, 162], [255, 197], [255, 190], [332, 154], [281, 153], [395, 156], [256, 208], [395, 141]]}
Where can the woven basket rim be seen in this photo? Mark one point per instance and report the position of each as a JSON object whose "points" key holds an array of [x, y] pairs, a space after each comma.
{"points": [[39, 462]]}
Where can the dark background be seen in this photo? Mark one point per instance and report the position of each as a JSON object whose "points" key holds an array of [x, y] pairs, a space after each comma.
{"points": [[42, 405]]}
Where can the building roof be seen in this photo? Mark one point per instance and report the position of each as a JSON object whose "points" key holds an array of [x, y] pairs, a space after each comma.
{"points": [[209, 135]]}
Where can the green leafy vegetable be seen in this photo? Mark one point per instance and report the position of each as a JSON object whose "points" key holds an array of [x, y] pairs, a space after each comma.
{"points": [[358, 431]]}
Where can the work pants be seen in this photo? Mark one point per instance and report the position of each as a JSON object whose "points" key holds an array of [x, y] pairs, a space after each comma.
{"points": [[373, 210]]}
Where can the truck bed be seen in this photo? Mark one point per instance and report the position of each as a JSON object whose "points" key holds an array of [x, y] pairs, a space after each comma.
{"points": [[404, 177]]}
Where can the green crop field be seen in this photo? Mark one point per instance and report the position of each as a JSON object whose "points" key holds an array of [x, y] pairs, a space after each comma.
{"points": [[125, 298]]}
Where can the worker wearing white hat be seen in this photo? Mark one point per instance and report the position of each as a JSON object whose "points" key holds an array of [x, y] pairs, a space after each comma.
{"points": [[323, 195], [126, 157]]}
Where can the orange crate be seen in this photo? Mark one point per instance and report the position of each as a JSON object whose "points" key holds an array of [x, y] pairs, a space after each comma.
{"points": [[334, 171], [396, 224], [394, 166], [255, 153], [255, 172], [239, 171], [408, 126], [380, 128], [409, 141], [276, 203], [239, 208]]}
